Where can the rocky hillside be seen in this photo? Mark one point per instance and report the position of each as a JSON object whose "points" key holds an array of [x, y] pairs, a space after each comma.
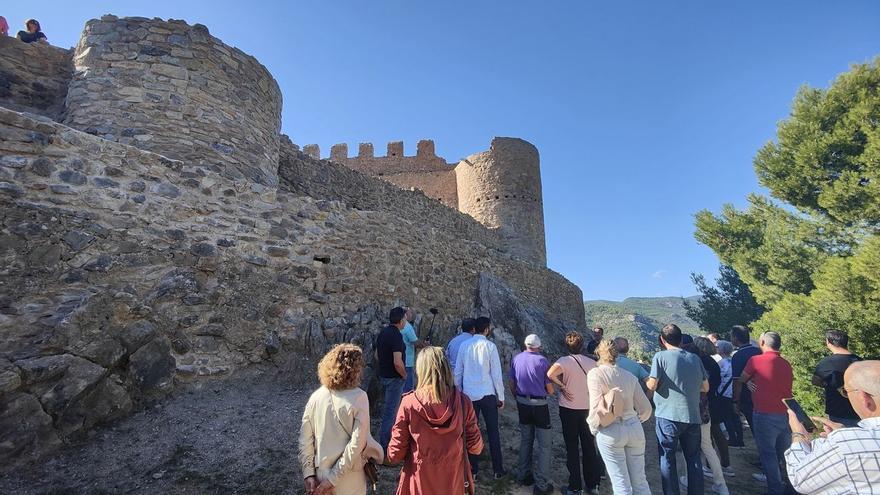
{"points": [[639, 318]]}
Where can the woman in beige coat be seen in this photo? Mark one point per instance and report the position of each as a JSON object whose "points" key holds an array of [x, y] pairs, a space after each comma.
{"points": [[335, 440], [621, 442]]}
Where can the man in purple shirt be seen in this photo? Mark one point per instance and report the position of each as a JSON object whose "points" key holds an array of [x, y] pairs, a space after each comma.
{"points": [[530, 386]]}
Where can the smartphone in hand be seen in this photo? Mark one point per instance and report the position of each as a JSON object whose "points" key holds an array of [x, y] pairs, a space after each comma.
{"points": [[798, 411]]}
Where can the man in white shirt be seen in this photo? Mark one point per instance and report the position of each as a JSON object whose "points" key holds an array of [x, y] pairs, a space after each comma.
{"points": [[478, 374], [844, 460]]}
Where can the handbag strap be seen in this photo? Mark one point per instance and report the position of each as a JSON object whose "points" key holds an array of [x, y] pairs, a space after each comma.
{"points": [[578, 363], [464, 451], [726, 386]]}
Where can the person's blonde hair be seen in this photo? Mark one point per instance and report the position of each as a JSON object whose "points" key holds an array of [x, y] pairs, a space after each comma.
{"points": [[340, 369], [607, 352], [434, 375]]}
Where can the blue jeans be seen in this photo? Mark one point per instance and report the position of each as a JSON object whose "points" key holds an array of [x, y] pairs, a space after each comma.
{"points": [[392, 387], [534, 421], [410, 379], [669, 435], [773, 437], [488, 407]]}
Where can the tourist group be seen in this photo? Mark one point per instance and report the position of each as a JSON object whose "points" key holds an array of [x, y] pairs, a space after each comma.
{"points": [[697, 389]]}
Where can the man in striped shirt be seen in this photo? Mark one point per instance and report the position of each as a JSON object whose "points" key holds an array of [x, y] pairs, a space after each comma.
{"points": [[843, 460]]}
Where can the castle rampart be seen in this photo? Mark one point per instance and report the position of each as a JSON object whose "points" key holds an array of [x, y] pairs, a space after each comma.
{"points": [[425, 171], [126, 271], [173, 88]]}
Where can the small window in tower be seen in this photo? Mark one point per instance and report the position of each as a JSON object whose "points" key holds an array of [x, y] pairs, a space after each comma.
{"points": [[496, 197], [478, 200], [506, 196]]}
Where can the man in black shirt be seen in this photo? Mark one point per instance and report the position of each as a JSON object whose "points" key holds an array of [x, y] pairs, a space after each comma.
{"points": [[391, 370], [741, 340], [829, 375]]}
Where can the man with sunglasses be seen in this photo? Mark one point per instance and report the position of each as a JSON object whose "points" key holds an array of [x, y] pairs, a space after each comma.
{"points": [[841, 460]]}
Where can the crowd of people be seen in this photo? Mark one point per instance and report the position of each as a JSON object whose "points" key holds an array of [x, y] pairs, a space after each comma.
{"points": [[700, 388], [32, 32]]}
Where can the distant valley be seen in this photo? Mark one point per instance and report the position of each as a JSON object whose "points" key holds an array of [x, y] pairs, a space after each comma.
{"points": [[640, 319]]}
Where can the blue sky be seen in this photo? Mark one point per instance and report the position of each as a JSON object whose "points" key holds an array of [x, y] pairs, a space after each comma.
{"points": [[644, 112]]}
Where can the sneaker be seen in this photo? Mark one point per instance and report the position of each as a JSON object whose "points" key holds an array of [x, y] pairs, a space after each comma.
{"points": [[547, 490], [728, 472], [707, 473], [759, 477], [720, 489], [500, 475], [684, 481]]}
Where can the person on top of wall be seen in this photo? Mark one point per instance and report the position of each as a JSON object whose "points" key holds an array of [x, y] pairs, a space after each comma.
{"points": [[4, 26], [33, 32]]}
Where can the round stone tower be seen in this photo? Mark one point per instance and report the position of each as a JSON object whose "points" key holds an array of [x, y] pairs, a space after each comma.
{"points": [[172, 88], [501, 188]]}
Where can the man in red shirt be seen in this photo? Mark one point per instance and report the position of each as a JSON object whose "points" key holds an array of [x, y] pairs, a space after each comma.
{"points": [[772, 378]]}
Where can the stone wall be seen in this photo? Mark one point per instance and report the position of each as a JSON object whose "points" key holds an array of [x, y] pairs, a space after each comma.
{"points": [[173, 88], [501, 188], [425, 171], [303, 174], [124, 271], [34, 77]]}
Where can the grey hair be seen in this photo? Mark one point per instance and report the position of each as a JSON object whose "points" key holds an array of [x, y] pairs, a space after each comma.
{"points": [[724, 347], [772, 340]]}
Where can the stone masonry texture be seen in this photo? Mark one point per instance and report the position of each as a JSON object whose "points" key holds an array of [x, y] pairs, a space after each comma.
{"points": [[173, 88], [129, 266], [34, 77]]}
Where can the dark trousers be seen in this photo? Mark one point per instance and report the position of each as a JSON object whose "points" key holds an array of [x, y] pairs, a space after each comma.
{"points": [[580, 450], [488, 408], [716, 410], [732, 423], [670, 434], [747, 410]]}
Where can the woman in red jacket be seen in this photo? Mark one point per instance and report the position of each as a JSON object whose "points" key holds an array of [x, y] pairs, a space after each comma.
{"points": [[434, 426]]}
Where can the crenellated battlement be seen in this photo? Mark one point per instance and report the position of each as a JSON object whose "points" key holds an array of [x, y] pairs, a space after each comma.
{"points": [[394, 152]]}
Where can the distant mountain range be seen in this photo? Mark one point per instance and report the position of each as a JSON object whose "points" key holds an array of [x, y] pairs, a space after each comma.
{"points": [[640, 319]]}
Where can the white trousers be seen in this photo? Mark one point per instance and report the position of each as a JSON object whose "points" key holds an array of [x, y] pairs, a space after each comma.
{"points": [[710, 454], [622, 446]]}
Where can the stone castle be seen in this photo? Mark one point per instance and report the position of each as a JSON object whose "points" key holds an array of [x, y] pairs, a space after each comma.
{"points": [[156, 227]]}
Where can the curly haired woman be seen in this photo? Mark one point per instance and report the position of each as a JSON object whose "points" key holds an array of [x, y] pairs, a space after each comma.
{"points": [[335, 440]]}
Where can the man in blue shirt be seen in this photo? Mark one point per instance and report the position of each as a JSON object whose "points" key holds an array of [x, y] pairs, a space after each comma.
{"points": [[412, 342], [639, 371], [677, 378], [467, 331]]}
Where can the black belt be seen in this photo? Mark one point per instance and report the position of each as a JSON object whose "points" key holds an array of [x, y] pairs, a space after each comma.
{"points": [[532, 397]]}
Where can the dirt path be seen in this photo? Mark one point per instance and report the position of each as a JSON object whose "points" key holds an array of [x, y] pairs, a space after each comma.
{"points": [[239, 436]]}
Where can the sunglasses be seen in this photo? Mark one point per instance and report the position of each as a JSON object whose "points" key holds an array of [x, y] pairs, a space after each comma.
{"points": [[843, 391]]}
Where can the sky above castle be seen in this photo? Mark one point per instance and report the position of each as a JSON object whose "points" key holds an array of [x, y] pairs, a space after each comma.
{"points": [[644, 112]]}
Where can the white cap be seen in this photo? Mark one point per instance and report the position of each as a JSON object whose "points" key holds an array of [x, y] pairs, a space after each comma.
{"points": [[533, 341]]}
